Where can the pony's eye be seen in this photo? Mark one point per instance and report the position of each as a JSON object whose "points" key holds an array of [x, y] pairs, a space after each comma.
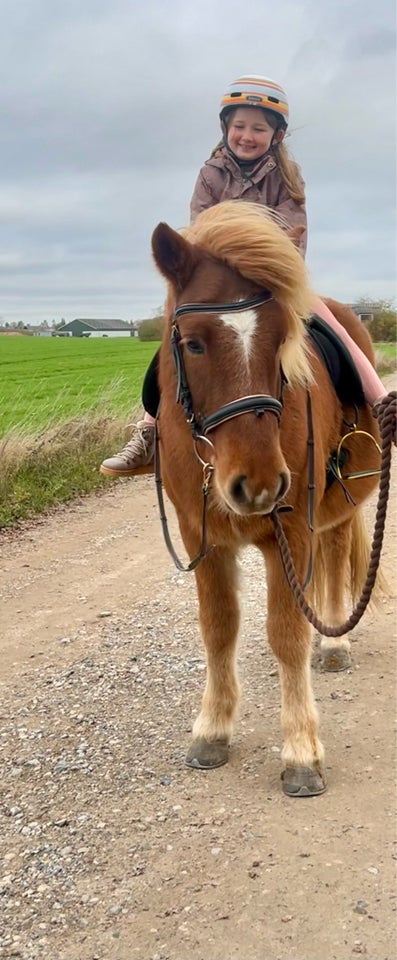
{"points": [[194, 346]]}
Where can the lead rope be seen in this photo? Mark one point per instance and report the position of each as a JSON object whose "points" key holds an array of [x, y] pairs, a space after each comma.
{"points": [[204, 549], [386, 413]]}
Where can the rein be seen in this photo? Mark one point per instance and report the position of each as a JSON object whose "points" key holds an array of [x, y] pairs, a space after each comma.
{"points": [[387, 426], [204, 550]]}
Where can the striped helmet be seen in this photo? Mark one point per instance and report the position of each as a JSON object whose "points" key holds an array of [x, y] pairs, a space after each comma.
{"points": [[254, 91]]}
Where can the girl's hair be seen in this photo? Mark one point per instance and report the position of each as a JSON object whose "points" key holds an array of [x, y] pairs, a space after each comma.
{"points": [[289, 172], [287, 166]]}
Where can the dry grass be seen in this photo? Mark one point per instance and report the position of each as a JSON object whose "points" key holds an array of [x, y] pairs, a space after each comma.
{"points": [[56, 464]]}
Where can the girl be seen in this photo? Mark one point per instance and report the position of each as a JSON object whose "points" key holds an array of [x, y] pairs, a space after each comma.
{"points": [[252, 163]]}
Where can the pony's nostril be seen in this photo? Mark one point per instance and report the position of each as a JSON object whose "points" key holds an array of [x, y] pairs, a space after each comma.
{"points": [[237, 489], [241, 493], [283, 486]]}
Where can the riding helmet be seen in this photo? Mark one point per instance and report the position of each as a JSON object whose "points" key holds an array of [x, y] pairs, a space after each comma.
{"points": [[255, 91]]}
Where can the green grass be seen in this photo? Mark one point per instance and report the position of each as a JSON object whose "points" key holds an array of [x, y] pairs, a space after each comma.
{"points": [[385, 357], [65, 404], [388, 350], [44, 380]]}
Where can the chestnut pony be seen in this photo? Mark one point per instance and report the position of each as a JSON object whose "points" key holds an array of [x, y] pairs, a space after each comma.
{"points": [[236, 352]]}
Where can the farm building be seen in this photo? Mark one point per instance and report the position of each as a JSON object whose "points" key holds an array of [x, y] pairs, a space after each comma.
{"points": [[39, 331], [98, 328], [365, 311]]}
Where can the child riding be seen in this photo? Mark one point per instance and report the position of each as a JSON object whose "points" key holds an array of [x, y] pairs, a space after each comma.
{"points": [[251, 163]]}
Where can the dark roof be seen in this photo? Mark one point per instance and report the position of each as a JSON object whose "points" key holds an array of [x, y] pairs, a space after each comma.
{"points": [[98, 324]]}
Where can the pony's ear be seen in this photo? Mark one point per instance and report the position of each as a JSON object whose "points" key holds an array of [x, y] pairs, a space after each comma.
{"points": [[174, 256], [295, 233]]}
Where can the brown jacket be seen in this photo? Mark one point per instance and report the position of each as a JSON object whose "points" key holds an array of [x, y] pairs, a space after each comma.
{"points": [[221, 178]]}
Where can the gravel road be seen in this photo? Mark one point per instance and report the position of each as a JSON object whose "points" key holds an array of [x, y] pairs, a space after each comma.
{"points": [[111, 849]]}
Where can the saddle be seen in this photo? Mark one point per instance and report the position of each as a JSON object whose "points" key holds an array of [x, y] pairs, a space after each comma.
{"points": [[345, 378], [336, 358]]}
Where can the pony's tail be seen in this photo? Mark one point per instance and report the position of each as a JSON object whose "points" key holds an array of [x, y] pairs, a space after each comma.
{"points": [[360, 550]]}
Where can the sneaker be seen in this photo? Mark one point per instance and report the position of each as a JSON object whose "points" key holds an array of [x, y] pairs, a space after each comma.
{"points": [[137, 455]]}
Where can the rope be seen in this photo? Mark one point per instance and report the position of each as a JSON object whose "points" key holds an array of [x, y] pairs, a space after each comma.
{"points": [[386, 413]]}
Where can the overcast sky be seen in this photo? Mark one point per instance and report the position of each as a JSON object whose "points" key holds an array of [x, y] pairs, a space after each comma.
{"points": [[110, 107]]}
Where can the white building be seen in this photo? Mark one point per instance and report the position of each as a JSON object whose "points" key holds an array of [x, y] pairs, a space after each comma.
{"points": [[97, 328]]}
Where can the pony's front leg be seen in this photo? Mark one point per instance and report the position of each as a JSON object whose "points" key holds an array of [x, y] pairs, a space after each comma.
{"points": [[289, 636], [219, 615]]}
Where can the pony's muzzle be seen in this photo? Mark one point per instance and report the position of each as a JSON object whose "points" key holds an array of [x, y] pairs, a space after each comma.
{"points": [[246, 497]]}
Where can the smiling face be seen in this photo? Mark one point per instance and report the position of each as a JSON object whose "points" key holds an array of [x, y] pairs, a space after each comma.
{"points": [[249, 133]]}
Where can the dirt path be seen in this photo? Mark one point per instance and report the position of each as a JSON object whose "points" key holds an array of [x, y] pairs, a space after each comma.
{"points": [[111, 848]]}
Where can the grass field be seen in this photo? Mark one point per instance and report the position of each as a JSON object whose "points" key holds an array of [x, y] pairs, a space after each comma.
{"points": [[65, 404], [386, 352], [45, 380]]}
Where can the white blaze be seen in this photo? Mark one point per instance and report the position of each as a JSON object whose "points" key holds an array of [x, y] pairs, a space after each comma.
{"points": [[244, 325]]}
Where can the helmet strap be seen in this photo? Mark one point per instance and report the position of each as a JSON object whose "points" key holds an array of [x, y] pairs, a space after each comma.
{"points": [[278, 136]]}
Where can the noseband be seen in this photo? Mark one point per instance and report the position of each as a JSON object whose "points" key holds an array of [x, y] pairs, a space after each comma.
{"points": [[256, 403]]}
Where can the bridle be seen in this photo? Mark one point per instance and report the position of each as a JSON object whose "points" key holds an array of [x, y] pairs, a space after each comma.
{"points": [[257, 403], [200, 426]]}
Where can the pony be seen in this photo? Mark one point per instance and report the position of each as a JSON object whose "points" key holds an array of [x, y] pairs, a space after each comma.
{"points": [[249, 419]]}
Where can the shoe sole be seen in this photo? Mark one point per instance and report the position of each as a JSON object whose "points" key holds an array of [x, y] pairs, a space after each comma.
{"points": [[137, 472]]}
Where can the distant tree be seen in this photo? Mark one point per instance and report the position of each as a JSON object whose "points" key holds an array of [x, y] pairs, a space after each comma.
{"points": [[382, 326], [151, 329]]}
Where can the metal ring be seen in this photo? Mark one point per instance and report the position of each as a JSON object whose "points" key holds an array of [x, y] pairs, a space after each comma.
{"points": [[200, 437]]}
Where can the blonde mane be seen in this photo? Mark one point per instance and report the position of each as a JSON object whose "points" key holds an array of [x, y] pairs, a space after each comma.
{"points": [[250, 239]]}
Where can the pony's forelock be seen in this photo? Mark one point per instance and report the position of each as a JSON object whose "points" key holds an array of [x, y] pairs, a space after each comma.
{"points": [[252, 240]]}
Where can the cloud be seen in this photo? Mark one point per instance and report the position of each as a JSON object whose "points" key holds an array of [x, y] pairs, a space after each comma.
{"points": [[109, 110]]}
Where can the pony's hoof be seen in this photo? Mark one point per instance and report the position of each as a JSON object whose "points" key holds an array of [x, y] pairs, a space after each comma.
{"points": [[205, 754], [335, 660], [303, 781]]}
